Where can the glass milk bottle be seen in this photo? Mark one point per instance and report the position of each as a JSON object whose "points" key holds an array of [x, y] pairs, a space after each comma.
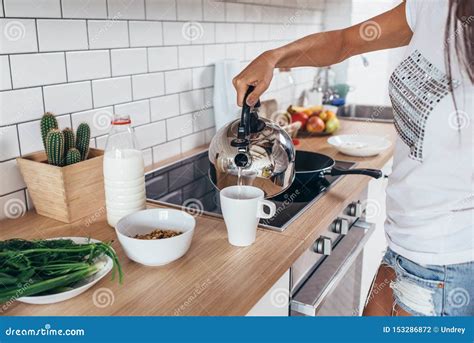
{"points": [[124, 172]]}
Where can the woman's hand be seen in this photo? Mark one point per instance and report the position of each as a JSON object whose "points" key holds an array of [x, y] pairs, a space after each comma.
{"points": [[391, 31], [258, 73]]}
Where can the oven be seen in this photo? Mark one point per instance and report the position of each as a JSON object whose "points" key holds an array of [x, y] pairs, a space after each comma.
{"points": [[326, 279]]}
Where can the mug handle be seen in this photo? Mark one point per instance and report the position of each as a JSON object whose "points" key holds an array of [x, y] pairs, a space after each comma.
{"points": [[270, 205]]}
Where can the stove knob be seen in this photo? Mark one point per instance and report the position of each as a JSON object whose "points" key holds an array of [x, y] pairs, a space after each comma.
{"points": [[355, 209], [341, 226], [323, 245]]}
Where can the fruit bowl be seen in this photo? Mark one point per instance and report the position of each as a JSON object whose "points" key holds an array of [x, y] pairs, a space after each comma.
{"points": [[315, 120]]}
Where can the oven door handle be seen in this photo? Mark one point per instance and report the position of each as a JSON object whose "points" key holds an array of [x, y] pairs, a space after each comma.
{"points": [[320, 284]]}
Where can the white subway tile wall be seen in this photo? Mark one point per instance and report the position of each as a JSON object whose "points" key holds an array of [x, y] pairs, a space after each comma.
{"points": [[152, 59]]}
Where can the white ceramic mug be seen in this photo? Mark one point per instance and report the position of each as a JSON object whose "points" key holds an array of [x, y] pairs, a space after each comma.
{"points": [[242, 207]]}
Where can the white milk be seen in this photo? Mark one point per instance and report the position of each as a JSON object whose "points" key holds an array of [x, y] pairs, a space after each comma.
{"points": [[124, 180]]}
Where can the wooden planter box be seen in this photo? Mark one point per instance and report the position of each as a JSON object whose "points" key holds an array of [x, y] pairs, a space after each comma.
{"points": [[64, 193]]}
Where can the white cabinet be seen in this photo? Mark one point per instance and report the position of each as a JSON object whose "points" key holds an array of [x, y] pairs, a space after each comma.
{"points": [[276, 301], [376, 245]]}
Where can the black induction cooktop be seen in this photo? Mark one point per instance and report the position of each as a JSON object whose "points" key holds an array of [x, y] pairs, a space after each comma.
{"points": [[186, 183]]}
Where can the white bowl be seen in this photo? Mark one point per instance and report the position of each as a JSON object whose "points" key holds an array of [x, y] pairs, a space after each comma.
{"points": [[160, 251], [360, 145]]}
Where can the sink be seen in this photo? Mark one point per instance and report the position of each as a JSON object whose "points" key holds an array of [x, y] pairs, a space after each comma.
{"points": [[373, 113]]}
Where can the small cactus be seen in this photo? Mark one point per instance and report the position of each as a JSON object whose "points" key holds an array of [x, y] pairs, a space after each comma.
{"points": [[55, 147], [83, 136], [48, 122], [69, 140], [73, 156]]}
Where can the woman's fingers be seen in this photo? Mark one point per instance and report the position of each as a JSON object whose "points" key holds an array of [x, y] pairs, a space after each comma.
{"points": [[257, 92], [258, 73], [241, 87]]}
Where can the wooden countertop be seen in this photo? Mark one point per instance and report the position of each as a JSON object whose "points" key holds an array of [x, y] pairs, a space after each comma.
{"points": [[213, 278]]}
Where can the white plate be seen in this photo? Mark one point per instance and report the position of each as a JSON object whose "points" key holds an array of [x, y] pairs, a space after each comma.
{"points": [[80, 287], [360, 145]]}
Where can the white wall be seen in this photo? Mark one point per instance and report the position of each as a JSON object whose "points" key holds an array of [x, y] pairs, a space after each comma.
{"points": [[86, 59], [370, 83]]}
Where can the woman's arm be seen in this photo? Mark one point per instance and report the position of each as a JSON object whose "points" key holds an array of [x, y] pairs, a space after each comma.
{"points": [[388, 30]]}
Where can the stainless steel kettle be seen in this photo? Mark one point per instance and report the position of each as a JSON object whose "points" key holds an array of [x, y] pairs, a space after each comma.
{"points": [[252, 151]]}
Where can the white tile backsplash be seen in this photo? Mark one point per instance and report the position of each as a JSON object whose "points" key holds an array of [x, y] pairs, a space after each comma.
{"points": [[5, 80], [203, 77], [85, 60], [129, 9], [151, 134], [108, 34], [9, 143], [87, 65], [18, 35], [148, 85], [164, 107], [160, 9], [213, 10], [213, 53], [59, 35], [174, 33], [191, 56], [11, 178], [68, 98], [20, 105], [191, 101], [112, 91], [163, 58], [192, 141], [84, 8], [129, 61], [145, 33], [32, 8], [189, 10], [180, 126], [38, 69], [235, 12], [225, 32], [166, 150], [178, 81], [139, 111], [99, 120]]}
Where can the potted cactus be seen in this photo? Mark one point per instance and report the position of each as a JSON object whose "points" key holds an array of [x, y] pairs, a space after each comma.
{"points": [[65, 180]]}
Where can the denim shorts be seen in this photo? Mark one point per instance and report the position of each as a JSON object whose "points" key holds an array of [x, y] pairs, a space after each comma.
{"points": [[431, 290]]}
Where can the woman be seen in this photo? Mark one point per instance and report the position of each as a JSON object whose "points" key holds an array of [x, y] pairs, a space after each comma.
{"points": [[428, 268]]}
